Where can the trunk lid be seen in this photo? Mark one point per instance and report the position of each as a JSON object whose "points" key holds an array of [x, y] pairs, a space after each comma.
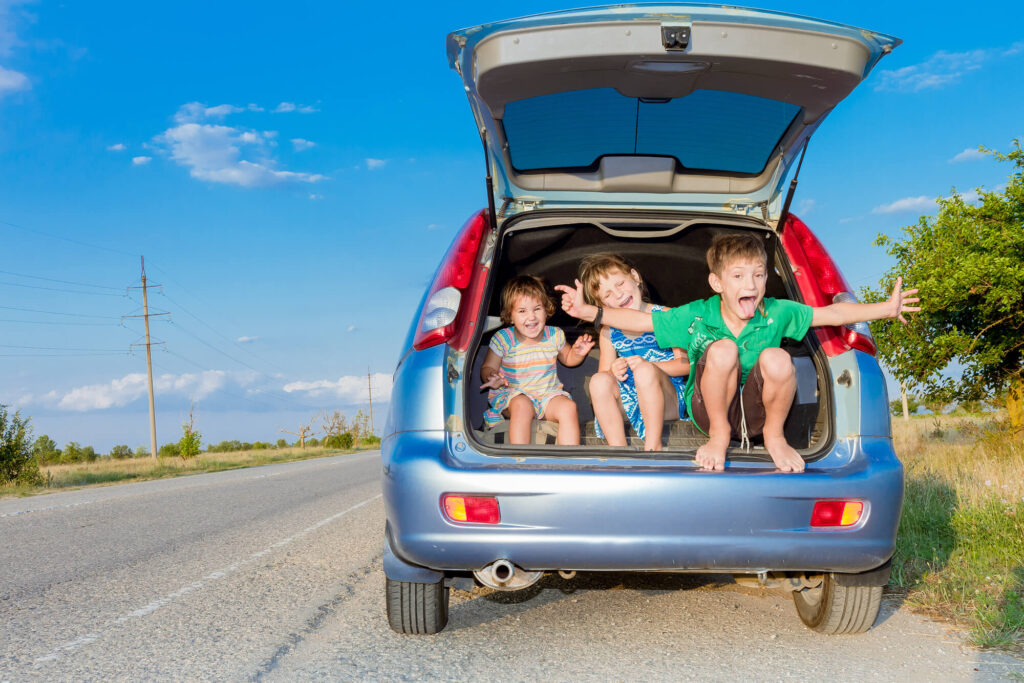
{"points": [[701, 108]]}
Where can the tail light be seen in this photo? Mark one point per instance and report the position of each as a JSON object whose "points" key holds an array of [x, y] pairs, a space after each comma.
{"points": [[476, 509], [455, 292], [821, 284], [836, 513]]}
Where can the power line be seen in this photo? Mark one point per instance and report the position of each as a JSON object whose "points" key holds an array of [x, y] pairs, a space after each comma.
{"points": [[76, 315], [66, 239], [62, 355], [63, 282], [53, 322], [55, 348], [56, 289]]}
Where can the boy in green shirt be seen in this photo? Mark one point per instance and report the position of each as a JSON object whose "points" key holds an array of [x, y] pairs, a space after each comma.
{"points": [[743, 382]]}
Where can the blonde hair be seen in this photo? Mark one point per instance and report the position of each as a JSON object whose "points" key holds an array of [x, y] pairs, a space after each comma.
{"points": [[596, 266], [524, 285], [726, 249]]}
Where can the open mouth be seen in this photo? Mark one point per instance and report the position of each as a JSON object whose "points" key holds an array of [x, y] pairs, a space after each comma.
{"points": [[748, 304], [625, 303]]}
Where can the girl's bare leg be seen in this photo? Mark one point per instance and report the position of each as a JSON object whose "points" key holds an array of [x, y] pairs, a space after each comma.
{"points": [[653, 406], [520, 415], [563, 411], [604, 395]]}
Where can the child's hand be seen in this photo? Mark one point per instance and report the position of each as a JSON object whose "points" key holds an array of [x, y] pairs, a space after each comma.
{"points": [[634, 362], [572, 299], [496, 381], [899, 300], [583, 345], [620, 368]]}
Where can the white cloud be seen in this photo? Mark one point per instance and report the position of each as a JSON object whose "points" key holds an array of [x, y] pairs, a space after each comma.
{"points": [[374, 164], [254, 107], [119, 147], [299, 144], [348, 389], [197, 111], [906, 204], [133, 387], [805, 207], [217, 153], [246, 340], [433, 226], [969, 154], [351, 328], [288, 107], [941, 69], [141, 161], [314, 196], [12, 81]]}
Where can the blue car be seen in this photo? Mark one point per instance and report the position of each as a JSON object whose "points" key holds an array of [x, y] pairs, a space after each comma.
{"points": [[644, 130]]}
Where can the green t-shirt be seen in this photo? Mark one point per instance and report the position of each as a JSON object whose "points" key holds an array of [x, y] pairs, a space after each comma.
{"points": [[694, 326]]}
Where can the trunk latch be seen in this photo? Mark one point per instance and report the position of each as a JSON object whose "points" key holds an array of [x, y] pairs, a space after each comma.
{"points": [[675, 37]]}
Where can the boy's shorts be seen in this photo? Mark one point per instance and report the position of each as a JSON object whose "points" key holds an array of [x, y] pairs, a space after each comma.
{"points": [[748, 393]]}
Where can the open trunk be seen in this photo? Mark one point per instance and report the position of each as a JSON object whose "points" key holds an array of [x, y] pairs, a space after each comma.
{"points": [[669, 252]]}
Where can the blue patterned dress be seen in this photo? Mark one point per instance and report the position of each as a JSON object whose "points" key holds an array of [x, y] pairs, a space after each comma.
{"points": [[647, 348]]}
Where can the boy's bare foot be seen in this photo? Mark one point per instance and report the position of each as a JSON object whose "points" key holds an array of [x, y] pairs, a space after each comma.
{"points": [[786, 459], [711, 456]]}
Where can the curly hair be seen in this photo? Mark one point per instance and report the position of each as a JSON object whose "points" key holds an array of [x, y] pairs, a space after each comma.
{"points": [[524, 285]]}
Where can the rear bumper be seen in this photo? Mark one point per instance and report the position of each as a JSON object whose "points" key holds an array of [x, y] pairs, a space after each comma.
{"points": [[667, 516]]}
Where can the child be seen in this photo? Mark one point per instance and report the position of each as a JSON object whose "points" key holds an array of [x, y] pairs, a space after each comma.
{"points": [[647, 381], [520, 365], [743, 383]]}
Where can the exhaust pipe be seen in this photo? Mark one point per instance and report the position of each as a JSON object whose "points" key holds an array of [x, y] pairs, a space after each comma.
{"points": [[502, 575], [502, 572]]}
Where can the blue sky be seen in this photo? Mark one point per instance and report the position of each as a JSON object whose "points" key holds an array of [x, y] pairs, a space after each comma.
{"points": [[293, 173]]}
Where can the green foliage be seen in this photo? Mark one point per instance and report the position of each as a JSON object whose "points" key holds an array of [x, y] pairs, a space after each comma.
{"points": [[968, 263], [282, 443], [121, 451], [912, 405], [17, 465], [141, 452], [260, 445], [76, 452], [169, 450], [372, 440], [343, 441], [45, 451], [312, 442]]}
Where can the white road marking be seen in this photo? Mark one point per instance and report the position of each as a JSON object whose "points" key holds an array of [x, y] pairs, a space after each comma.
{"points": [[165, 600]]}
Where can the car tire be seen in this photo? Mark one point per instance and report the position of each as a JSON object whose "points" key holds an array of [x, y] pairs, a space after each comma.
{"points": [[416, 608], [832, 609]]}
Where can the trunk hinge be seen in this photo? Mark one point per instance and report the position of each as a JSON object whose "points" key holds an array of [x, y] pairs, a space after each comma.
{"points": [[792, 190]]}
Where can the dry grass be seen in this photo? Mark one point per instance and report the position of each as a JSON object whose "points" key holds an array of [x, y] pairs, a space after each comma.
{"points": [[106, 470], [960, 550]]}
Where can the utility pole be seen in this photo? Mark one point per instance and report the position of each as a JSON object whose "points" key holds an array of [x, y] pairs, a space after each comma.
{"points": [[369, 391], [149, 355]]}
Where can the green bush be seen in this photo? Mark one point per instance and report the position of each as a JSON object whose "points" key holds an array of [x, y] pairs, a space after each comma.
{"points": [[260, 445], [121, 451], [16, 461], [141, 452], [169, 450], [282, 443], [371, 440], [346, 440]]}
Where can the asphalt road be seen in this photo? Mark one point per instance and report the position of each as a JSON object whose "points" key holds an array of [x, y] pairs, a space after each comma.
{"points": [[274, 573]]}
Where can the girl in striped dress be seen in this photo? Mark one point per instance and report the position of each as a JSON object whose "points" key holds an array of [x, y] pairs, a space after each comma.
{"points": [[520, 369]]}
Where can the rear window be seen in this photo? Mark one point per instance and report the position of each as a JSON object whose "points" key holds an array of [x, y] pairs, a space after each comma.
{"points": [[710, 130]]}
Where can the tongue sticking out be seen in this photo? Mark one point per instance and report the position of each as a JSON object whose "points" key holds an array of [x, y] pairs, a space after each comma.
{"points": [[747, 306]]}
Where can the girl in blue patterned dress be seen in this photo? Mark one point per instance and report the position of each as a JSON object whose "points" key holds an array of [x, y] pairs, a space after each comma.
{"points": [[635, 376]]}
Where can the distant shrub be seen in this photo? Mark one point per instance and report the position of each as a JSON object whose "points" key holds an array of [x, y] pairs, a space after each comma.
{"points": [[141, 452], [121, 451], [169, 450], [282, 443], [346, 440], [260, 445], [312, 442], [371, 440], [76, 452]]}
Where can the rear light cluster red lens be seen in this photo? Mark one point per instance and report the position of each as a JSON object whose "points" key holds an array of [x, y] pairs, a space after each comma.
{"points": [[455, 292], [475, 509], [821, 284], [836, 513]]}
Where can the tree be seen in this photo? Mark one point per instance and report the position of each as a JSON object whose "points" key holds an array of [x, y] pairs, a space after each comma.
{"points": [[333, 425], [360, 427], [190, 444], [912, 405], [305, 431], [16, 462], [120, 451], [968, 263], [45, 450]]}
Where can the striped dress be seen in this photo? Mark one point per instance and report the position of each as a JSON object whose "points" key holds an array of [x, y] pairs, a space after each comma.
{"points": [[530, 369]]}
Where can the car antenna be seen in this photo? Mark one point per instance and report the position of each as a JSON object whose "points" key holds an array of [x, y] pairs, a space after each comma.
{"points": [[792, 189]]}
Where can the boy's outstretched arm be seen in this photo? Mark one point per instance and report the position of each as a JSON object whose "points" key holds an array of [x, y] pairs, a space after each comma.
{"points": [[849, 312], [622, 318]]}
